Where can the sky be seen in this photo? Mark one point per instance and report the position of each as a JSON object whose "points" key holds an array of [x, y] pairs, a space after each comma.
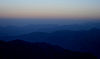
{"points": [[49, 8]]}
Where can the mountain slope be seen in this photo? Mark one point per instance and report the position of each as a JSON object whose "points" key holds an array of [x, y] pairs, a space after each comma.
{"points": [[18, 49]]}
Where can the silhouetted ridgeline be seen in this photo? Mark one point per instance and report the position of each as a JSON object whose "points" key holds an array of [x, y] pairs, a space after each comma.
{"points": [[16, 30], [19, 49], [81, 40]]}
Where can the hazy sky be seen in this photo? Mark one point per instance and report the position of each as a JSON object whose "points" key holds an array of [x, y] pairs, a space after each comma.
{"points": [[50, 8]]}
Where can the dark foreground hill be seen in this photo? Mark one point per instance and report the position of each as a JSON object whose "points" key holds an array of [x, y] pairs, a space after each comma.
{"points": [[82, 40], [18, 49]]}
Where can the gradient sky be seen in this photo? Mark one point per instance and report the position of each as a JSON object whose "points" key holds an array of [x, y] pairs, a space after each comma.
{"points": [[50, 8]]}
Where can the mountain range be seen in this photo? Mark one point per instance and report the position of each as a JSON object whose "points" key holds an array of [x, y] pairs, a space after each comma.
{"points": [[81, 40], [20, 30], [19, 49]]}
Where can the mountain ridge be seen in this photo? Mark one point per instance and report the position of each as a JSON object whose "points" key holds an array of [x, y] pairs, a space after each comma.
{"points": [[15, 50]]}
